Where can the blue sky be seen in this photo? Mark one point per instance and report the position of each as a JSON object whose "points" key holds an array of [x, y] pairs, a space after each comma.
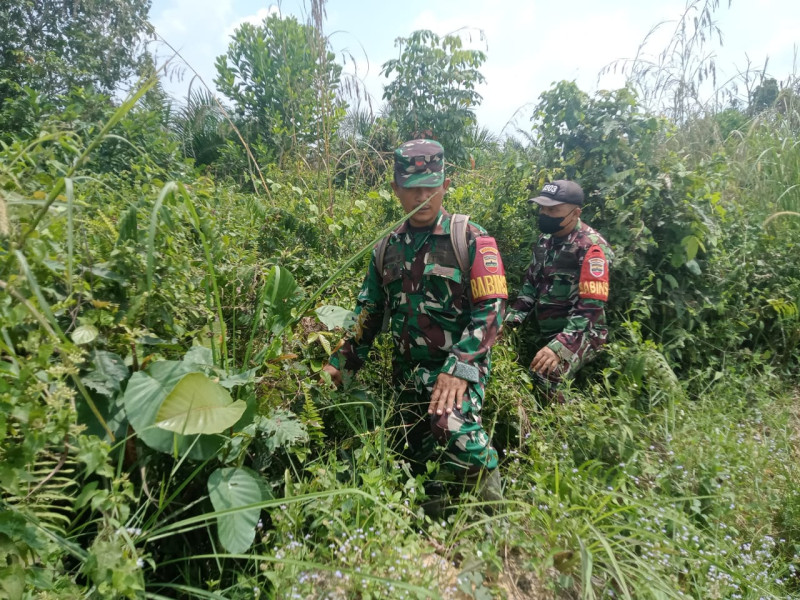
{"points": [[529, 43]]}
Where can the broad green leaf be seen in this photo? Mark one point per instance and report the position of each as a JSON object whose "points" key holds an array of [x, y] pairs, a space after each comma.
{"points": [[335, 316], [281, 294], [144, 395], [232, 488], [198, 405], [242, 378], [199, 355], [694, 267], [692, 244], [85, 334], [108, 373]]}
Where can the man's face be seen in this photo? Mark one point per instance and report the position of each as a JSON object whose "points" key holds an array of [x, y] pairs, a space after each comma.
{"points": [[412, 197], [567, 213]]}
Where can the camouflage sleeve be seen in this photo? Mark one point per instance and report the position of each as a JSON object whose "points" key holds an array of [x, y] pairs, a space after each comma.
{"points": [[370, 307], [586, 329], [469, 356], [526, 299]]}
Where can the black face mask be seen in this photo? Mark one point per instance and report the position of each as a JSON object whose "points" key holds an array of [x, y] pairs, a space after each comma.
{"points": [[548, 224]]}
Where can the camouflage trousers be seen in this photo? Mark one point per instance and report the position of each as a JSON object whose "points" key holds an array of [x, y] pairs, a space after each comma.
{"points": [[456, 440]]}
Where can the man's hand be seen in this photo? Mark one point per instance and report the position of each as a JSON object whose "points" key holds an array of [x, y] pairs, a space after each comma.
{"points": [[447, 392], [545, 361], [336, 374]]}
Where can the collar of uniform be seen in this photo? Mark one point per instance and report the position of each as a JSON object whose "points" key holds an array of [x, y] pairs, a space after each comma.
{"points": [[439, 227]]}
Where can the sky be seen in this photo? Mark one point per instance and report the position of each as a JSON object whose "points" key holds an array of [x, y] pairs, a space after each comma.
{"points": [[529, 44]]}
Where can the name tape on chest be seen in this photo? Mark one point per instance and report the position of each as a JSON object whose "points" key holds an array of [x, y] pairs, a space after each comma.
{"points": [[594, 275], [488, 276]]}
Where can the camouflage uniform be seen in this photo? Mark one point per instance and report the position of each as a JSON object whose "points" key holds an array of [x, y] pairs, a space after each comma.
{"points": [[436, 327], [573, 325]]}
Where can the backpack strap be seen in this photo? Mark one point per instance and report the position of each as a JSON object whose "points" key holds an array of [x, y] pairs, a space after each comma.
{"points": [[380, 252], [459, 225]]}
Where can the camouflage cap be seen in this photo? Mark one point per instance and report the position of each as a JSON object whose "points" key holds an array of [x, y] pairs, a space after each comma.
{"points": [[560, 191], [419, 163]]}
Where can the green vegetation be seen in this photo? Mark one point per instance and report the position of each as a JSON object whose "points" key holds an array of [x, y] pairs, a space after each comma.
{"points": [[168, 296]]}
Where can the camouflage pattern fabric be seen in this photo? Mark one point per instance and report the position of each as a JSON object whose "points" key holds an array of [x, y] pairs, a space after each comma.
{"points": [[419, 163], [573, 326], [436, 328]]}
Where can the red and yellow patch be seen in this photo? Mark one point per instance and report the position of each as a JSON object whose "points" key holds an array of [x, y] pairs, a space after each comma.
{"points": [[594, 275], [487, 277]]}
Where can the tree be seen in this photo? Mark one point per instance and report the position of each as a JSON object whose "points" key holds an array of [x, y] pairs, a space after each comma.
{"points": [[434, 89], [202, 128], [764, 96], [280, 87], [52, 46]]}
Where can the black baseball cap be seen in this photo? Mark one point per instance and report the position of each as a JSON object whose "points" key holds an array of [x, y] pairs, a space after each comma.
{"points": [[560, 191]]}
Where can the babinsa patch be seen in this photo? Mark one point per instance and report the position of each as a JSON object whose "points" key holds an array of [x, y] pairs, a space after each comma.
{"points": [[487, 277], [597, 267], [491, 259], [594, 275]]}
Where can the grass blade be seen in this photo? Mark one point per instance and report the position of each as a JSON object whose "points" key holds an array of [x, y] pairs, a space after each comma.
{"points": [[168, 189], [70, 191]]}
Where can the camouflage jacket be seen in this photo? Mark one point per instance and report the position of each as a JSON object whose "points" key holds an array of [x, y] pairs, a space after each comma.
{"points": [[566, 287], [436, 325]]}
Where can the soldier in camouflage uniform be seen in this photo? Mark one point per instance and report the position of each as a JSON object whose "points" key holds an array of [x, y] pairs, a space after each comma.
{"points": [[565, 286], [443, 322]]}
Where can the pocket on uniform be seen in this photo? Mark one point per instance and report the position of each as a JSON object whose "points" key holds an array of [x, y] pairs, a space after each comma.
{"points": [[443, 289], [451, 273], [565, 285]]}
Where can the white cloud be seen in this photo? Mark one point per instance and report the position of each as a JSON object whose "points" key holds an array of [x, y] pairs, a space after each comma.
{"points": [[529, 43], [255, 19], [191, 20], [192, 28]]}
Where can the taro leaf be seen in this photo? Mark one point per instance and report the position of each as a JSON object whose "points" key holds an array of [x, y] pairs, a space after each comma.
{"points": [[198, 405], [199, 355], [85, 334], [242, 378], [107, 375], [144, 395], [335, 316], [232, 488]]}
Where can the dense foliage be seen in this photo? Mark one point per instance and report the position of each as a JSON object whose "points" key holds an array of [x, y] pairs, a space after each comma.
{"points": [[282, 81], [164, 430], [433, 89], [53, 47]]}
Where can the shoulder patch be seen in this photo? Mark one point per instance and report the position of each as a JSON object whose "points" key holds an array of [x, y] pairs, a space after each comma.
{"points": [[594, 275], [488, 276]]}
